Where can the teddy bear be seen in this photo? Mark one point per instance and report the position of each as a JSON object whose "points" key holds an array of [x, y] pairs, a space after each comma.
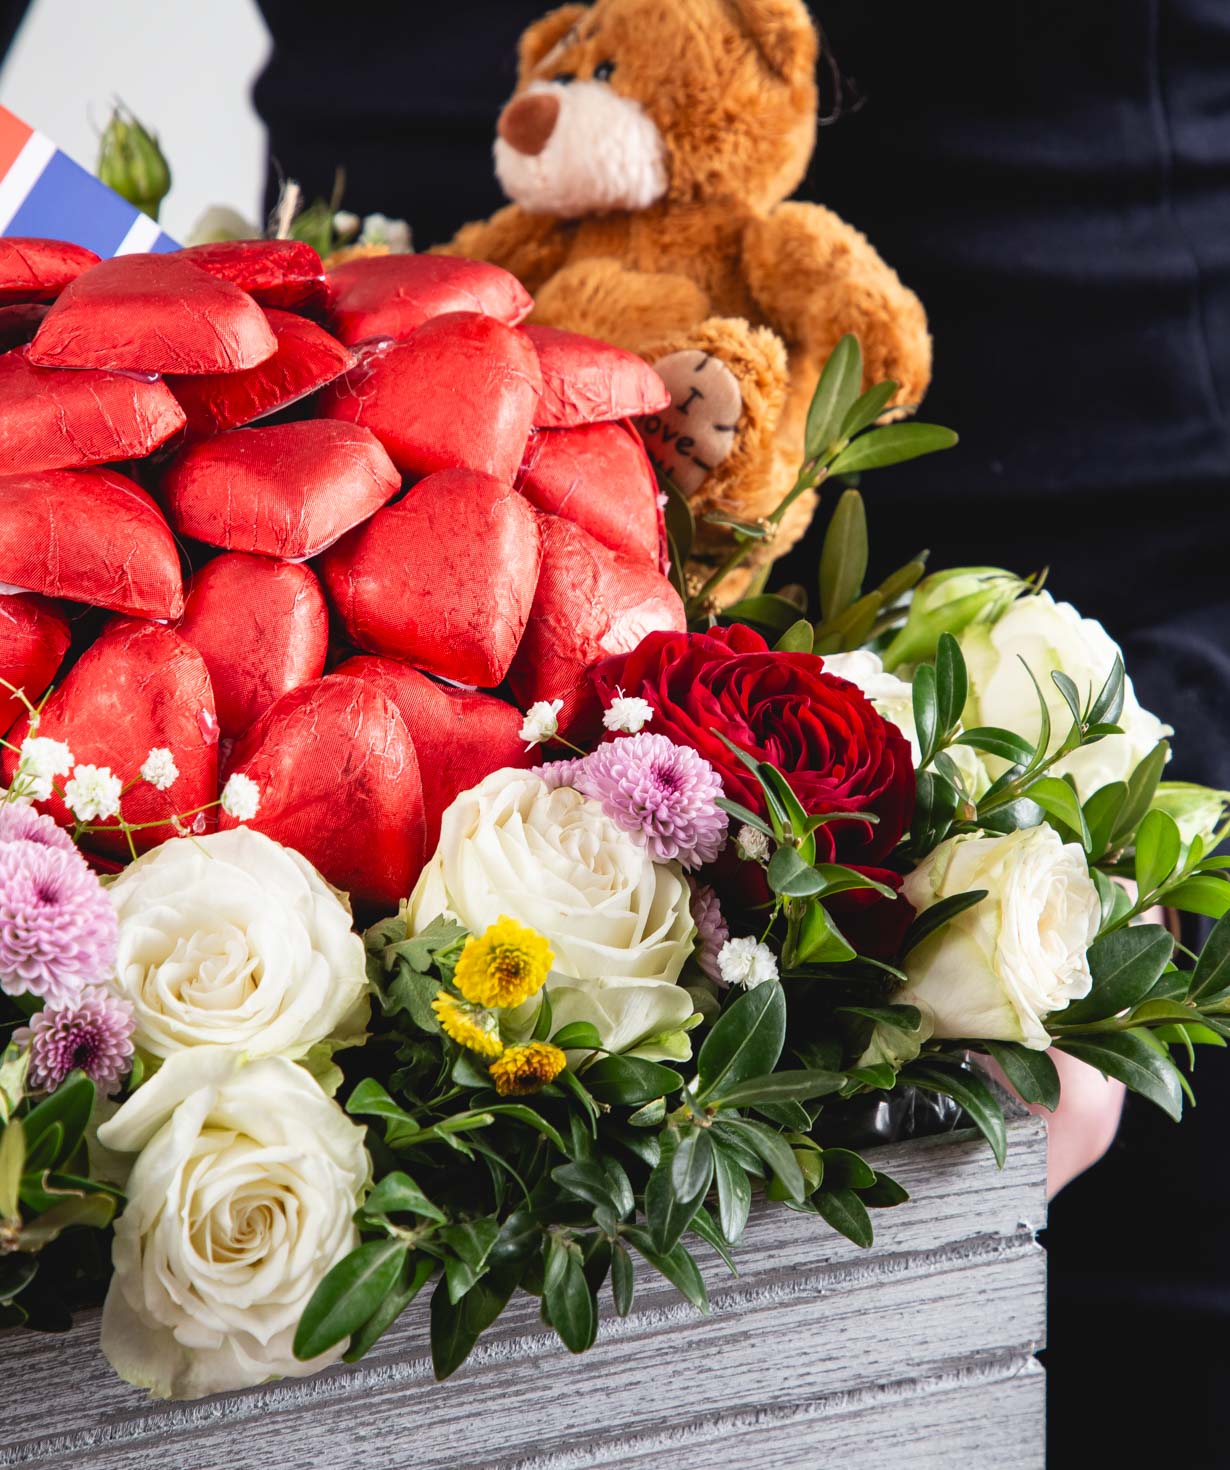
{"points": [[648, 150]]}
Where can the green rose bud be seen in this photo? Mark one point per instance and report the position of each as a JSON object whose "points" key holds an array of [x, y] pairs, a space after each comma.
{"points": [[131, 162], [1198, 811], [949, 602]]}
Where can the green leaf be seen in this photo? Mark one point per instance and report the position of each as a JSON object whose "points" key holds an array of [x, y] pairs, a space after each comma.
{"points": [[745, 815], [1158, 846], [734, 1190], [936, 807], [569, 1301], [1060, 800], [704, 1225], [770, 611], [1101, 814], [692, 1164], [414, 1274], [799, 637], [531, 1117], [542, 1019], [772, 1148], [1127, 1056], [456, 1328], [349, 1294], [938, 915], [579, 1036], [1212, 972], [91, 1211], [836, 394], [951, 682], [974, 1096], [1125, 965], [48, 1147], [12, 1166], [903, 1018], [867, 409], [884, 1194], [680, 523], [623, 1278], [1108, 705], [370, 1100], [791, 877], [1142, 786], [846, 1213], [1004, 743], [776, 1087], [1071, 694], [471, 1242], [843, 559], [398, 1194], [676, 1265], [629, 1081], [844, 1169], [588, 1181], [1032, 1073], [820, 940], [667, 1211], [1202, 894], [69, 1107], [926, 712], [893, 445], [746, 1041]]}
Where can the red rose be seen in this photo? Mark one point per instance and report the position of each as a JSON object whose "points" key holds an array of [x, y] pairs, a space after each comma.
{"points": [[821, 732]]}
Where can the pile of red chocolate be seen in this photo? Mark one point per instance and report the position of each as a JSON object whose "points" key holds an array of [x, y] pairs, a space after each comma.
{"points": [[433, 493]]}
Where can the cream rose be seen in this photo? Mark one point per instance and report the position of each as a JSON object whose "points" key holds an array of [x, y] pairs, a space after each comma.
{"points": [[240, 1200], [1049, 636], [999, 968], [555, 861], [234, 940], [645, 1017]]}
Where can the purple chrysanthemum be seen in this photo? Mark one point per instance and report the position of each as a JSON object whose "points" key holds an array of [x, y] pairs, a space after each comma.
{"points": [[19, 822], [58, 930], [560, 773], [94, 1036], [666, 792], [711, 929]]}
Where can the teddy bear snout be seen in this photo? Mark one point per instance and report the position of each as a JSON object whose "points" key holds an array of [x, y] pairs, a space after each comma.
{"points": [[528, 122]]}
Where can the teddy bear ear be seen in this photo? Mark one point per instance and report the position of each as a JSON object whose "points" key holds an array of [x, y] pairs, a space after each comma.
{"points": [[784, 33], [544, 35]]}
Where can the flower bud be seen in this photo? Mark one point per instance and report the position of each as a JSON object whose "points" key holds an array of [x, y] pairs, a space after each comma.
{"points": [[131, 162], [949, 602]]}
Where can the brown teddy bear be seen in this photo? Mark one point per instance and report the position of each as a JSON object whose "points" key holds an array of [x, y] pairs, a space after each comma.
{"points": [[648, 150]]}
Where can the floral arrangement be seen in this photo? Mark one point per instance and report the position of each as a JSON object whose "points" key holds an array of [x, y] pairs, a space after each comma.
{"points": [[639, 935]]}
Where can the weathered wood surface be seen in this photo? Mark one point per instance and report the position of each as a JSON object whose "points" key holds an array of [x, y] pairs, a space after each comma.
{"points": [[919, 1351]]}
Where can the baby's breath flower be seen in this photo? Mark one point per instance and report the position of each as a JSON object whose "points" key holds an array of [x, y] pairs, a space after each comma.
{"points": [[470, 1026], [627, 715], [93, 795], [524, 1069], [39, 762], [752, 845], [160, 769], [241, 798], [506, 966], [541, 722], [747, 963]]}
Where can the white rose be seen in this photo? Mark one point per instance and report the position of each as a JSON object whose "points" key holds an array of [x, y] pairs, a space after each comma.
{"points": [[240, 1200], [1050, 636], [893, 699], [993, 972], [645, 1017], [553, 859], [234, 940]]}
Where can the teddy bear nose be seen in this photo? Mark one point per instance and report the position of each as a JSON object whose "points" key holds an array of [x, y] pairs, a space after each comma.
{"points": [[527, 123]]}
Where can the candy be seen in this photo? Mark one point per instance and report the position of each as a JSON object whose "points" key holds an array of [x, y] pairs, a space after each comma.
{"points": [[90, 536], [38, 270], [287, 491], [283, 273], [153, 314], [262, 628], [34, 637], [392, 295], [590, 382]]}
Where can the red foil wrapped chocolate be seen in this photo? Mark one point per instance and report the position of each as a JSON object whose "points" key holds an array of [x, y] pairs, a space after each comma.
{"points": [[52, 420], [139, 687], [307, 358], [459, 735], [89, 536], [153, 314], [585, 381], [590, 603], [444, 578], [339, 782], [34, 637], [38, 270], [599, 476], [460, 393], [262, 628], [287, 491], [392, 295], [283, 273]]}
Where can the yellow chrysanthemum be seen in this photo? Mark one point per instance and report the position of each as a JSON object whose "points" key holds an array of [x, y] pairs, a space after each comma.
{"points": [[469, 1026], [524, 1069], [505, 967]]}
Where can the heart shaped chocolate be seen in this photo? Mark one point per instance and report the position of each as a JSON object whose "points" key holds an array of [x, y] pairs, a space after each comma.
{"points": [[262, 628], [140, 687], [339, 782], [19, 323], [590, 603], [89, 536], [443, 579], [460, 736], [52, 420], [585, 381], [288, 491], [392, 295], [34, 637], [460, 393], [38, 270], [307, 358], [153, 314], [599, 477], [282, 273]]}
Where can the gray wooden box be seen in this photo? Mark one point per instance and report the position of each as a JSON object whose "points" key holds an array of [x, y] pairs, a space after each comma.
{"points": [[919, 1352]]}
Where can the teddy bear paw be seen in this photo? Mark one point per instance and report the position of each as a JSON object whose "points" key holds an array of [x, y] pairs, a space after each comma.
{"points": [[691, 438]]}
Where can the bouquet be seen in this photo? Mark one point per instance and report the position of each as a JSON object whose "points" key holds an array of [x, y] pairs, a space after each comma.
{"points": [[439, 892]]}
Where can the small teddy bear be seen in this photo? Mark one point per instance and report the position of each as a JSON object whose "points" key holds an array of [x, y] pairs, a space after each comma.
{"points": [[648, 149]]}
